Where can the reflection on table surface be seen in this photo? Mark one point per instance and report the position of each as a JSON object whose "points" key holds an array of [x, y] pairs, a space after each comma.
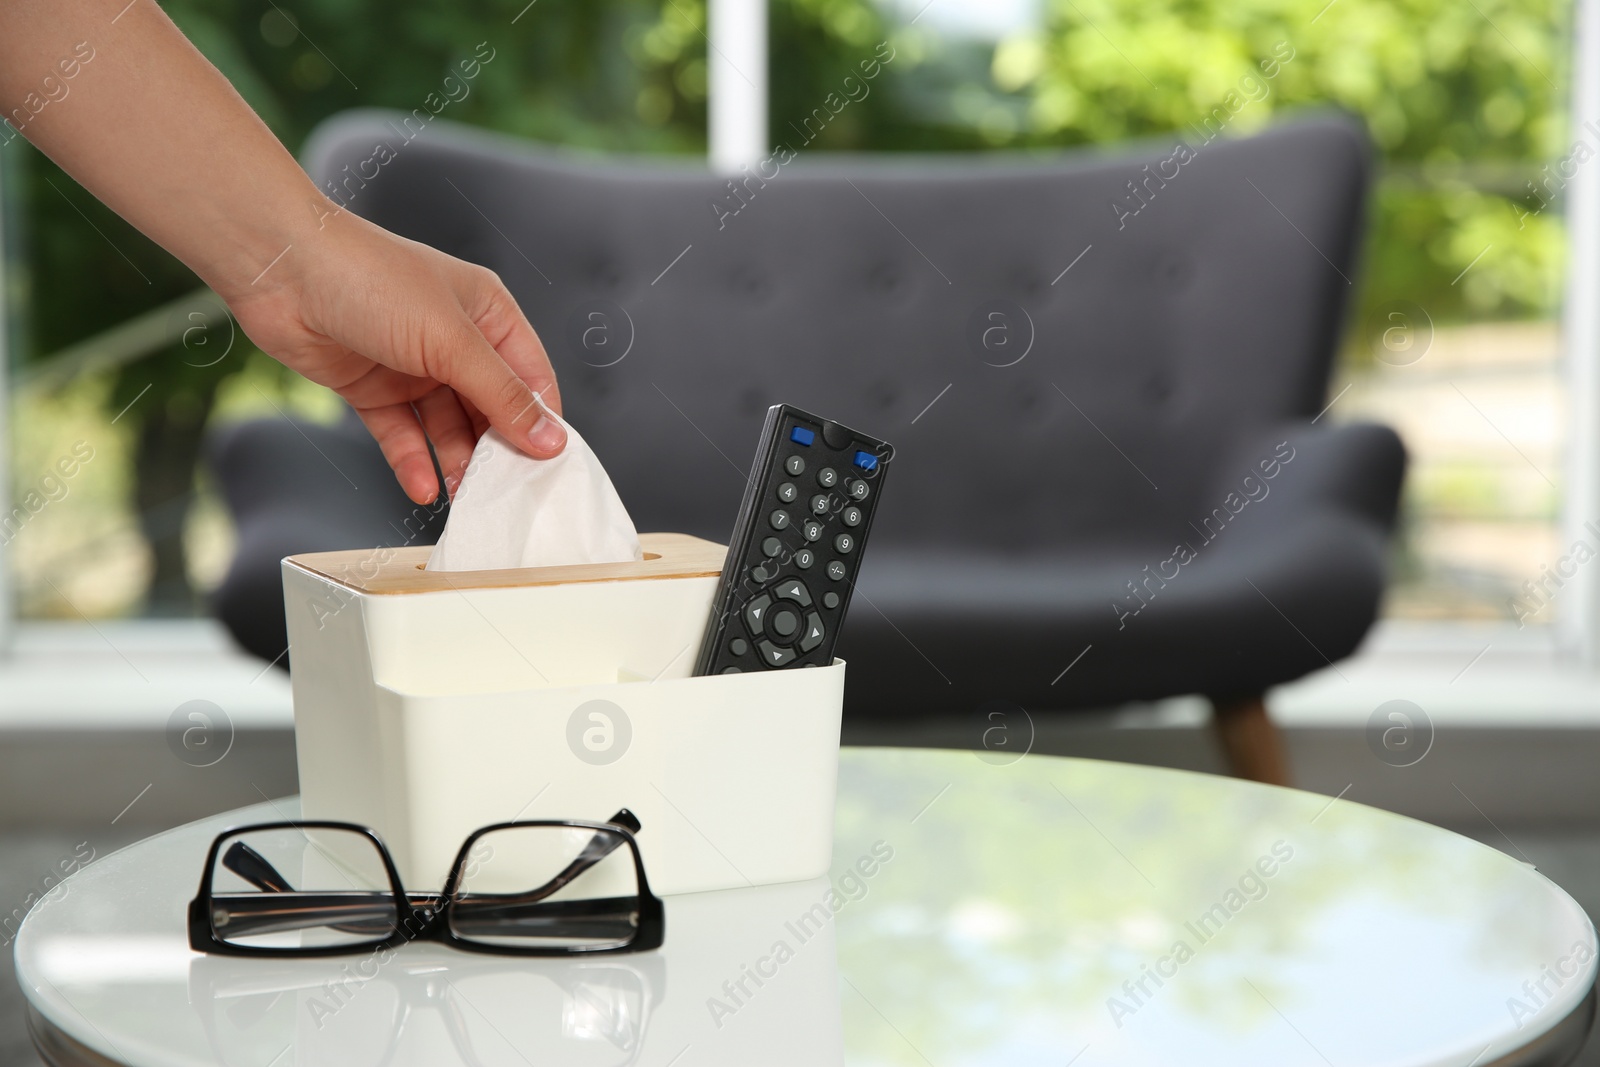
{"points": [[975, 914], [1141, 916], [424, 1008], [432, 1005]]}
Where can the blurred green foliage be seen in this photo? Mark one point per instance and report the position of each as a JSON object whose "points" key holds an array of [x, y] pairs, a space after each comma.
{"points": [[625, 75], [1466, 105], [1465, 102]]}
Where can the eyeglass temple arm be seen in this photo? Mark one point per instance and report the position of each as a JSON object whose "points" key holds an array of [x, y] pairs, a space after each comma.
{"points": [[253, 867], [372, 914], [599, 847]]}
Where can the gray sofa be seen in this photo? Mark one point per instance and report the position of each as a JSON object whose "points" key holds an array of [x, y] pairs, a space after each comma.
{"points": [[1101, 372]]}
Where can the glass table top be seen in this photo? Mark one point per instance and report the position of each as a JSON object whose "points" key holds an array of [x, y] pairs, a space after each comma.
{"points": [[979, 911]]}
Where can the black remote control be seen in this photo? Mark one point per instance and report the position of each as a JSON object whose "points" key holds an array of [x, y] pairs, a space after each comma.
{"points": [[796, 546]]}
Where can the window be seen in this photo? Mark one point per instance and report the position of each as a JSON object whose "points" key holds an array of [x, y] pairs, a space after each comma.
{"points": [[1456, 338], [120, 363]]}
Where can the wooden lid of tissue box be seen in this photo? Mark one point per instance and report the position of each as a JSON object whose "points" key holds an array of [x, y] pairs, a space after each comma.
{"points": [[381, 571]]}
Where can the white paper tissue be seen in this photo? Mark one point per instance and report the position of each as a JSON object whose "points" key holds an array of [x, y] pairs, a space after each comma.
{"points": [[512, 510]]}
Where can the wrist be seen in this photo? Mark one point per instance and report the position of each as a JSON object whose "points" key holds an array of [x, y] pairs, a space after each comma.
{"points": [[281, 247]]}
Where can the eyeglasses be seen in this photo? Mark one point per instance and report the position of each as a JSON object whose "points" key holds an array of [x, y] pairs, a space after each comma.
{"points": [[544, 888]]}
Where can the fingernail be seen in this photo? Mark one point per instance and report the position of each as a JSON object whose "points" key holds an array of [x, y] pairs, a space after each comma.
{"points": [[547, 435]]}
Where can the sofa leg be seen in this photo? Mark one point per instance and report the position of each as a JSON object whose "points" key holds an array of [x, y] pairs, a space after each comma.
{"points": [[1251, 743]]}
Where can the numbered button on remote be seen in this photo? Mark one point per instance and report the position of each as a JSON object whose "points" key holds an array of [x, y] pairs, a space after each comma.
{"points": [[827, 477], [819, 504], [804, 559], [788, 493], [794, 590], [755, 614], [775, 655], [779, 520], [814, 632], [842, 544], [811, 530], [857, 489], [851, 516], [835, 569], [794, 465]]}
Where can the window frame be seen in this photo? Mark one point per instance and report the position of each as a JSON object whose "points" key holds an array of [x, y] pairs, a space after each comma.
{"points": [[1578, 617]]}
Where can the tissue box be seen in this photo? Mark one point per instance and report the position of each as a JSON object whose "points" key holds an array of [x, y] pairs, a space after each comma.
{"points": [[430, 703]]}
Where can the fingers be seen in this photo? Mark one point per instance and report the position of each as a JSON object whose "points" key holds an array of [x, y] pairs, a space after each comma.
{"points": [[399, 435], [505, 327], [451, 432], [464, 360], [480, 425]]}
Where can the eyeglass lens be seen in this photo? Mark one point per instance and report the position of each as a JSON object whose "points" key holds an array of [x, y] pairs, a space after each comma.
{"points": [[556, 886], [301, 889]]}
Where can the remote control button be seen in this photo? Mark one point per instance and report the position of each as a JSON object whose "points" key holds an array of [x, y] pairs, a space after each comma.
{"points": [[794, 465], [783, 621], [774, 656], [788, 493], [755, 614], [779, 520], [865, 460], [811, 530], [795, 590], [819, 504], [827, 477], [731, 670], [804, 559], [830, 600], [851, 516], [802, 436], [771, 546], [764, 572], [814, 632], [842, 544], [738, 646], [857, 489], [835, 569]]}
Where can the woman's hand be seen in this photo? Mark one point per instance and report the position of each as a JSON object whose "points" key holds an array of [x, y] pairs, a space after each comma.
{"points": [[416, 341], [421, 344]]}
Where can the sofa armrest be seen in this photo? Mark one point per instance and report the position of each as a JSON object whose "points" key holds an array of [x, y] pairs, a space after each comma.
{"points": [[1356, 468]]}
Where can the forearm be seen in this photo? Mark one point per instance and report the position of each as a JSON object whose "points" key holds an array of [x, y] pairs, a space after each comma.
{"points": [[151, 128], [427, 349]]}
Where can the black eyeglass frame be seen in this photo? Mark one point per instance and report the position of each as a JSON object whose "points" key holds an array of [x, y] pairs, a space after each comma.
{"points": [[426, 916]]}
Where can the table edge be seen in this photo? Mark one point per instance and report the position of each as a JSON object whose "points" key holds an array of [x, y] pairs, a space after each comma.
{"points": [[1555, 1047]]}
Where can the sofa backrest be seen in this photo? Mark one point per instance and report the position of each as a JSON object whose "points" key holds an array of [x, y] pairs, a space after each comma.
{"points": [[1059, 346]]}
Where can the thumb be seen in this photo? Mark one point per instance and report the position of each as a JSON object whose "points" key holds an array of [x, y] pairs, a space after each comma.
{"points": [[476, 372]]}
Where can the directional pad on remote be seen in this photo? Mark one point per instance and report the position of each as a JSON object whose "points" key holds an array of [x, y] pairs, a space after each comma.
{"points": [[783, 622], [775, 656], [793, 589], [755, 614], [813, 633]]}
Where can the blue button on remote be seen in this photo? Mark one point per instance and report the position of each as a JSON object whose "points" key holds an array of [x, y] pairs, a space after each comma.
{"points": [[802, 436], [866, 461]]}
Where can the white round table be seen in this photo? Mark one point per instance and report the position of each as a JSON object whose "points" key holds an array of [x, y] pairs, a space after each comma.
{"points": [[1046, 911]]}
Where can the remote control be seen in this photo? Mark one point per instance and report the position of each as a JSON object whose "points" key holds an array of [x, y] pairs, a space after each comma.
{"points": [[796, 546]]}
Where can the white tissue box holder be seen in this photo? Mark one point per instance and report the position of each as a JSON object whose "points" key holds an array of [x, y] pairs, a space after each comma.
{"points": [[430, 703]]}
